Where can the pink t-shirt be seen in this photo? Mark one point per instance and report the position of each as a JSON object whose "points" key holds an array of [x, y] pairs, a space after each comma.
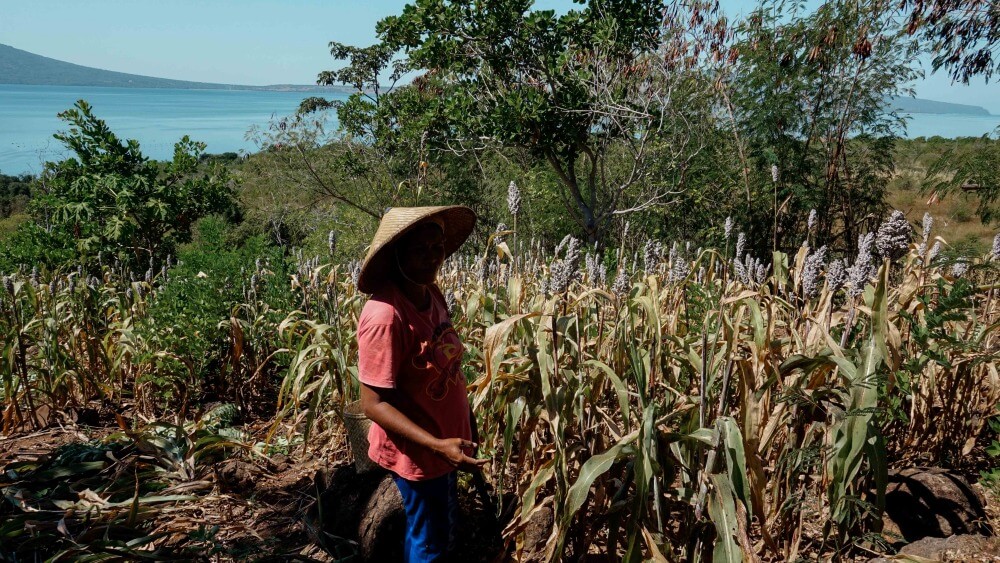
{"points": [[419, 354]]}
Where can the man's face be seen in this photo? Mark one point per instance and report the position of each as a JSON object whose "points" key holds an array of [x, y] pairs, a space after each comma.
{"points": [[421, 253]]}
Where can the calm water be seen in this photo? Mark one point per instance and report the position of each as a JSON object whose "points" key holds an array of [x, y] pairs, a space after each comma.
{"points": [[158, 118]]}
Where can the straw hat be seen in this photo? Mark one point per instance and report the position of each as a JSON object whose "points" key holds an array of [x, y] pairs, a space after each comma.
{"points": [[456, 221]]}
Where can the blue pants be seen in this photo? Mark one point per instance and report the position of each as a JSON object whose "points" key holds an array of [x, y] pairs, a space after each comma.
{"points": [[431, 517]]}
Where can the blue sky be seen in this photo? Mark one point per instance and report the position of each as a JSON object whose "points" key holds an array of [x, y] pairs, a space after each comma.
{"points": [[255, 41]]}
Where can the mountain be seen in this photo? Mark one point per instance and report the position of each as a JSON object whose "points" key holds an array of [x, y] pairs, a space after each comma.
{"points": [[22, 67], [917, 105]]}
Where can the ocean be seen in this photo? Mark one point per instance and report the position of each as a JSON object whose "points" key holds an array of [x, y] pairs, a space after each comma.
{"points": [[158, 118]]}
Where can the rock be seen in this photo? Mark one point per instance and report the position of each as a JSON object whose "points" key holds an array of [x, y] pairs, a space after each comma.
{"points": [[383, 524], [964, 548], [359, 512], [236, 476], [931, 502], [536, 534], [363, 513]]}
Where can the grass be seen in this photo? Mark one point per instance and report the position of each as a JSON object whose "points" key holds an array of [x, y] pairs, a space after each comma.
{"points": [[955, 215], [9, 224]]}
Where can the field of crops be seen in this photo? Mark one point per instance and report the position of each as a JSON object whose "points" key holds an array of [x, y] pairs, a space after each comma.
{"points": [[674, 403]]}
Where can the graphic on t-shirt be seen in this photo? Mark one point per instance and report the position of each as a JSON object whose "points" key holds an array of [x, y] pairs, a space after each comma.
{"points": [[441, 358]]}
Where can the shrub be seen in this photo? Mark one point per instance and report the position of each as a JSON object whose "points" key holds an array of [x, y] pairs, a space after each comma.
{"points": [[185, 344]]}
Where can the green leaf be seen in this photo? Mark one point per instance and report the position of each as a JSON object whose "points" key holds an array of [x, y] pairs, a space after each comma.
{"points": [[722, 511], [736, 463], [593, 468]]}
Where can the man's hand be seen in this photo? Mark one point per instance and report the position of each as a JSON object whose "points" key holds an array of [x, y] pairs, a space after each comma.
{"points": [[454, 451]]}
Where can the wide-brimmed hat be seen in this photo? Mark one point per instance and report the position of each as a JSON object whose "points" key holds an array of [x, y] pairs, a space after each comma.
{"points": [[457, 222]]}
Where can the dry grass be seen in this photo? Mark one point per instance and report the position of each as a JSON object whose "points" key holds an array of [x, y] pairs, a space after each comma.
{"points": [[955, 215]]}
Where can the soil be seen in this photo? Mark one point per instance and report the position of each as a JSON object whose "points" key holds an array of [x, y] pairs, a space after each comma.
{"points": [[313, 505], [306, 506]]}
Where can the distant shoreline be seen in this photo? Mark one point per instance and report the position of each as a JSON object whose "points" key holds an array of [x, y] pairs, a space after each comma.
{"points": [[224, 88], [18, 67], [221, 118]]}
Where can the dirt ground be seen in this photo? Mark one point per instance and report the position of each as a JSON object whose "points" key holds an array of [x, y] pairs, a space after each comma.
{"points": [[310, 505], [307, 506]]}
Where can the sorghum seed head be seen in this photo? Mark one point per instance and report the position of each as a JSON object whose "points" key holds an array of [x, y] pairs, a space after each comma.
{"points": [[560, 276], [591, 262], [679, 265], [934, 251], [449, 299], [513, 199], [864, 265], [562, 244], [498, 238], [760, 272], [740, 269], [355, 271], [622, 285], [810, 272], [483, 272], [651, 256], [927, 224], [894, 235], [573, 255], [836, 275]]}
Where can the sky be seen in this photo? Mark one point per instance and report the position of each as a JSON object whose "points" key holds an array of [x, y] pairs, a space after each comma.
{"points": [[259, 42]]}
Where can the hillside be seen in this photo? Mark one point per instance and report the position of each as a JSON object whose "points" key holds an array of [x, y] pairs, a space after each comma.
{"points": [[918, 105], [22, 67]]}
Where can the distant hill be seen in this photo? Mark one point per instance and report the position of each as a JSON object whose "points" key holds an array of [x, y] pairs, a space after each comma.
{"points": [[917, 105], [22, 67]]}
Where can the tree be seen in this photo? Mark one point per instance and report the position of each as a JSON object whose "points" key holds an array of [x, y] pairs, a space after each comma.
{"points": [[15, 191], [964, 34], [971, 165], [807, 99], [110, 198], [377, 156], [574, 90]]}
